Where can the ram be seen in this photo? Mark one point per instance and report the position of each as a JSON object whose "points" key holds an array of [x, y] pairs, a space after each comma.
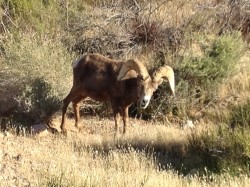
{"points": [[119, 82]]}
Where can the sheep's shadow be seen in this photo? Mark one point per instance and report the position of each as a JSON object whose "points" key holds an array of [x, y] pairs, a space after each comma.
{"points": [[165, 155]]}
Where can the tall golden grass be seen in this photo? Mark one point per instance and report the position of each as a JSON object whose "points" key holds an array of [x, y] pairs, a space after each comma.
{"points": [[80, 160]]}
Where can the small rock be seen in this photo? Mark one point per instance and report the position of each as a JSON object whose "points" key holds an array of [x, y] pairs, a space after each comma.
{"points": [[6, 133], [189, 124], [40, 129]]}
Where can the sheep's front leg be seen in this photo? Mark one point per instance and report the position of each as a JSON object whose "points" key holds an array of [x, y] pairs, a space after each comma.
{"points": [[125, 119], [76, 108]]}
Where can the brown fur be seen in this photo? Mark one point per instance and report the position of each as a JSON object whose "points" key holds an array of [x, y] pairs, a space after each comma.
{"points": [[95, 76]]}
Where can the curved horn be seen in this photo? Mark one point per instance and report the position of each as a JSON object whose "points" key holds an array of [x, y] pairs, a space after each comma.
{"points": [[165, 72], [133, 65]]}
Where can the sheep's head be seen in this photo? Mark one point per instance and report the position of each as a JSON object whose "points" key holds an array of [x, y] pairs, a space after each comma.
{"points": [[145, 89], [145, 84]]}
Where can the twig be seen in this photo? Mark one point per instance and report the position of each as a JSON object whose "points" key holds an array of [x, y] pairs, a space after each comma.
{"points": [[137, 5], [152, 11]]}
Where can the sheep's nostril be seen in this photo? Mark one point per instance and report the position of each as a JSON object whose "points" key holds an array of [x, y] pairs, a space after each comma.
{"points": [[144, 102]]}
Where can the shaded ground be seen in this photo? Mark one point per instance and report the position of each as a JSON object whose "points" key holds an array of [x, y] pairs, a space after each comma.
{"points": [[22, 157], [101, 126]]}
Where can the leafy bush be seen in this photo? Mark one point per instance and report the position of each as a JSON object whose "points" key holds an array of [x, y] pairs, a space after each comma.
{"points": [[198, 77], [240, 115], [219, 151], [38, 100], [40, 74], [218, 61], [40, 16]]}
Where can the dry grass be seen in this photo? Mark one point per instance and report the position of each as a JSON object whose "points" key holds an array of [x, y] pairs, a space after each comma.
{"points": [[77, 160]]}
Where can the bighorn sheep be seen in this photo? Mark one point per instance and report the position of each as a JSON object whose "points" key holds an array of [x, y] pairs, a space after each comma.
{"points": [[121, 83]]}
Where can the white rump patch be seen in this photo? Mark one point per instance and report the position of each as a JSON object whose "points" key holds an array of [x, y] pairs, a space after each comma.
{"points": [[75, 63]]}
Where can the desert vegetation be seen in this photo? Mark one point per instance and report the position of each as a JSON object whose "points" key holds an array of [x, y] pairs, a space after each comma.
{"points": [[200, 137]]}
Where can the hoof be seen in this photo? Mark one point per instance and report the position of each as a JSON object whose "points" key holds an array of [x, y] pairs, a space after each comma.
{"points": [[80, 128], [64, 131], [54, 131]]}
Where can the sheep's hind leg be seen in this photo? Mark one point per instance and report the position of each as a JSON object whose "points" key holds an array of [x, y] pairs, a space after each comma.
{"points": [[76, 108], [66, 102]]}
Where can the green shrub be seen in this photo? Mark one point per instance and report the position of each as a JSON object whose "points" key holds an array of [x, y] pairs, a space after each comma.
{"points": [[39, 72], [240, 115], [219, 150], [218, 61], [38, 100], [41, 16], [198, 77]]}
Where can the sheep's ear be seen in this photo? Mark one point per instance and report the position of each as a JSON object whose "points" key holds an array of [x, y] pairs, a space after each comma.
{"points": [[160, 81], [157, 83]]}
